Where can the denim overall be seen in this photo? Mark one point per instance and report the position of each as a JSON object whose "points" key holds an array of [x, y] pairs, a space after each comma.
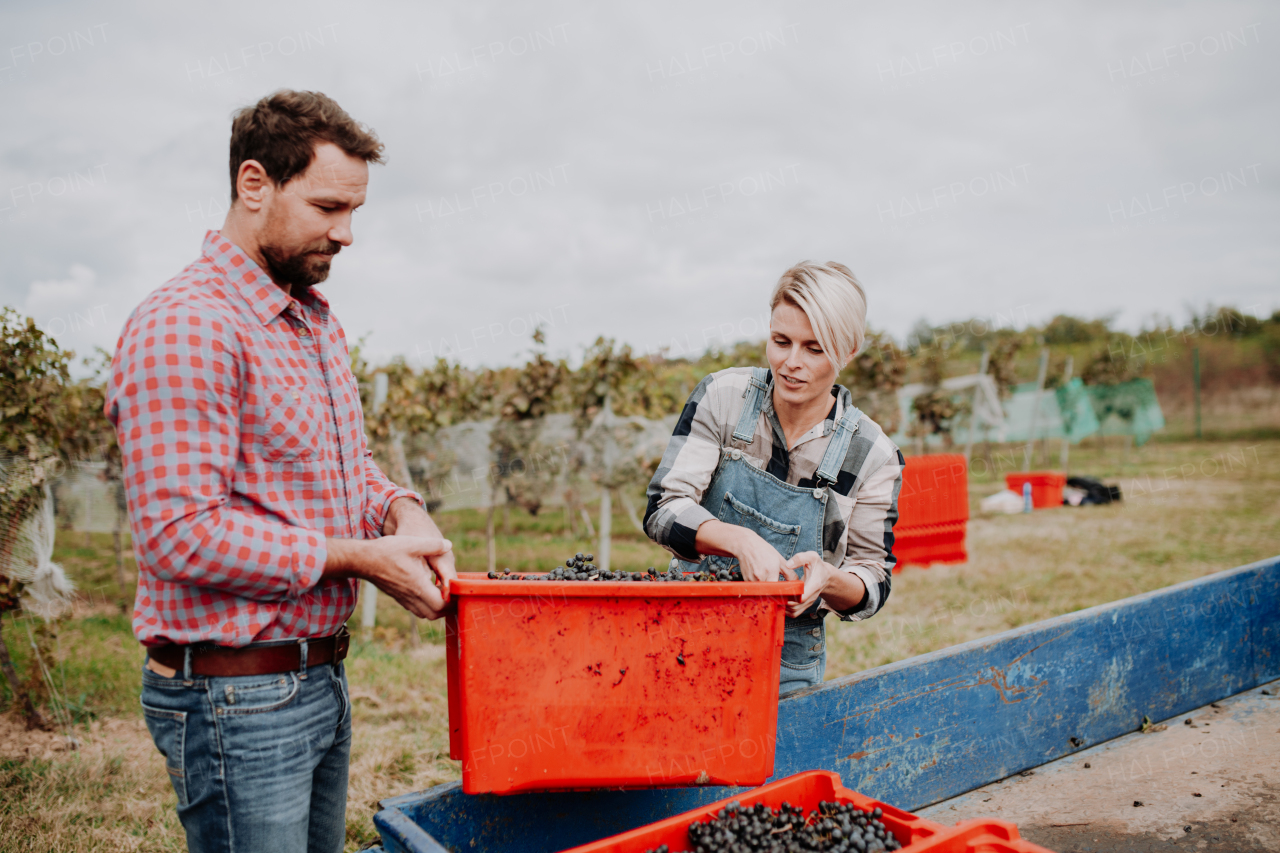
{"points": [[789, 518]]}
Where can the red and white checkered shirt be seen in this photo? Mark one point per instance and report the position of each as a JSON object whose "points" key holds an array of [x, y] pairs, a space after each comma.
{"points": [[243, 440]]}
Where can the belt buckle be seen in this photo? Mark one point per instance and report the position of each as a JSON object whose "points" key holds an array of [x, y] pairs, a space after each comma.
{"points": [[341, 642]]}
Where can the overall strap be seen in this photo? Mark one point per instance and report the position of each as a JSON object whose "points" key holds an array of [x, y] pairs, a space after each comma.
{"points": [[759, 386], [829, 470]]}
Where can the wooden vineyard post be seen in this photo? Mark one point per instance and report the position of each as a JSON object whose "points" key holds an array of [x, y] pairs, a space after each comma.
{"points": [[1035, 408], [606, 529], [369, 592], [1066, 439], [973, 405], [1195, 384]]}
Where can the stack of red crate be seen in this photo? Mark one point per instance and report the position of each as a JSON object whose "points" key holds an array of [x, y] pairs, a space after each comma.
{"points": [[807, 790], [933, 510]]}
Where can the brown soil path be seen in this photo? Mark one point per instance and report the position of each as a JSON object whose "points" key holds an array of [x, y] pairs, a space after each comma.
{"points": [[1211, 786]]}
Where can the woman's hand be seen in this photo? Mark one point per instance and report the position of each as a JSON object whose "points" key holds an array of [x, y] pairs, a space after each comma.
{"points": [[759, 560], [841, 590]]}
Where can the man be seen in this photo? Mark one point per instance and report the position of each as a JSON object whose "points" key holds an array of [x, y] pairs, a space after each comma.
{"points": [[253, 500]]}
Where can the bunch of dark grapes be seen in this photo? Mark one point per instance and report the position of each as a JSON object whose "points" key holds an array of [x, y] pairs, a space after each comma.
{"points": [[834, 827], [580, 568]]}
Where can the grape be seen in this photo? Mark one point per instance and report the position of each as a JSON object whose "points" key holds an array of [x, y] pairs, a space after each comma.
{"points": [[580, 568], [835, 827]]}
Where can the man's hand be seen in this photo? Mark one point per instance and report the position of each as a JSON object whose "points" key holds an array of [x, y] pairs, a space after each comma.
{"points": [[404, 574], [842, 590], [406, 518], [397, 565]]}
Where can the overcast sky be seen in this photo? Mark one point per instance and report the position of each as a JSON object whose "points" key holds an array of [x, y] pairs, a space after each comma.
{"points": [[647, 170]]}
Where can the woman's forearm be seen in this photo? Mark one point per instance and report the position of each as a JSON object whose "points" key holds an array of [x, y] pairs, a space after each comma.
{"points": [[720, 539], [759, 560], [845, 591]]}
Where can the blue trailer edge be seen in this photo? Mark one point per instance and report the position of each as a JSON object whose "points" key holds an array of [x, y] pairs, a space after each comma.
{"points": [[922, 730]]}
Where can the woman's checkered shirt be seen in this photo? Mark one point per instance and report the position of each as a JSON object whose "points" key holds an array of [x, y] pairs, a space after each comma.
{"points": [[857, 533]]}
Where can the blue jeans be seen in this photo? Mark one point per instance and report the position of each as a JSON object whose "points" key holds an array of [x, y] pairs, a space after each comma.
{"points": [[804, 653], [259, 762]]}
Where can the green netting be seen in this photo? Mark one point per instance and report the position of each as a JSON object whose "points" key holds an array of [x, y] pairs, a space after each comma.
{"points": [[1078, 417], [1076, 410], [1064, 412], [1130, 408], [1072, 411]]}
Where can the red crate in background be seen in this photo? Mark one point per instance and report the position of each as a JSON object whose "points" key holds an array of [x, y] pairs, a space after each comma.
{"points": [[933, 510], [937, 543], [803, 789], [807, 790], [557, 685], [1046, 486], [935, 490], [980, 836]]}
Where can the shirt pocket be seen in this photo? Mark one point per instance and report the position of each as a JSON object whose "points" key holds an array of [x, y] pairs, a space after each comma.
{"points": [[292, 423]]}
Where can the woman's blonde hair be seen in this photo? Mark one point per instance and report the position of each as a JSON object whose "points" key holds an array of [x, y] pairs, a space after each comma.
{"points": [[833, 300]]}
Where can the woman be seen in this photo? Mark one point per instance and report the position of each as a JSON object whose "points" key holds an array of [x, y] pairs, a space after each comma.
{"points": [[777, 472]]}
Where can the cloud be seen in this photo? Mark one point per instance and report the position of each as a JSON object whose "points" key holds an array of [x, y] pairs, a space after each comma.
{"points": [[613, 164], [47, 299], [74, 310]]}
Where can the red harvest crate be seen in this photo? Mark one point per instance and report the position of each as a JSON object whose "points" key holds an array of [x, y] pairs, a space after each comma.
{"points": [[922, 546], [980, 836], [935, 490], [933, 510], [1046, 487], [562, 685], [915, 834]]}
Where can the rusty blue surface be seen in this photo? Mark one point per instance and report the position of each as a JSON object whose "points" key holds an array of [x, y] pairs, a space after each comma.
{"points": [[921, 730]]}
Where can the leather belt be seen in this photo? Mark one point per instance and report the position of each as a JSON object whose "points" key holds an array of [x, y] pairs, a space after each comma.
{"points": [[254, 659]]}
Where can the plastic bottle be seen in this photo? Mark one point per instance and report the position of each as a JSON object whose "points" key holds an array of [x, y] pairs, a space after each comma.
{"points": [[1026, 497]]}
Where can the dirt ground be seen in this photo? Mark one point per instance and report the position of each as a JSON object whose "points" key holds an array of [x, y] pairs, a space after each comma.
{"points": [[19, 742], [1212, 785], [112, 793]]}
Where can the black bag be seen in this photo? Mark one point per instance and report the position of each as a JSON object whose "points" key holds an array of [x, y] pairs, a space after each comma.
{"points": [[1096, 492]]}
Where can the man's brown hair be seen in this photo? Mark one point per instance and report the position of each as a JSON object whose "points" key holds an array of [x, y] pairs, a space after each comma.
{"points": [[282, 129]]}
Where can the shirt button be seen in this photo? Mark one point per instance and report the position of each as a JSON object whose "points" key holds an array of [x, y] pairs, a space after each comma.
{"points": [[735, 453]]}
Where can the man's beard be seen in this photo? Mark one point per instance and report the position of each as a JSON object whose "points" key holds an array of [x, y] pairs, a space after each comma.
{"points": [[300, 268]]}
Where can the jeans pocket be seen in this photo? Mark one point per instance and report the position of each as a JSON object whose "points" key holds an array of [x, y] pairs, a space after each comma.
{"points": [[169, 732], [241, 695], [338, 677], [803, 644]]}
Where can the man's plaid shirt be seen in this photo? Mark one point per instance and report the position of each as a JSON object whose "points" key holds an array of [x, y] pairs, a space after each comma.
{"points": [[243, 440]]}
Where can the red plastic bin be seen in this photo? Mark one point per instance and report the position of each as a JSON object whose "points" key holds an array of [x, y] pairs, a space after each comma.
{"points": [[561, 685], [935, 490], [933, 510], [980, 836], [923, 546], [803, 789], [1046, 487]]}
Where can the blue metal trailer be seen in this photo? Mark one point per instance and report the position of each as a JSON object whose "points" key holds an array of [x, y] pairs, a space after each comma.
{"points": [[925, 730]]}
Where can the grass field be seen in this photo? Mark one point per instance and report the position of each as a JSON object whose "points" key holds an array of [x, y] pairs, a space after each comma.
{"points": [[1190, 509]]}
